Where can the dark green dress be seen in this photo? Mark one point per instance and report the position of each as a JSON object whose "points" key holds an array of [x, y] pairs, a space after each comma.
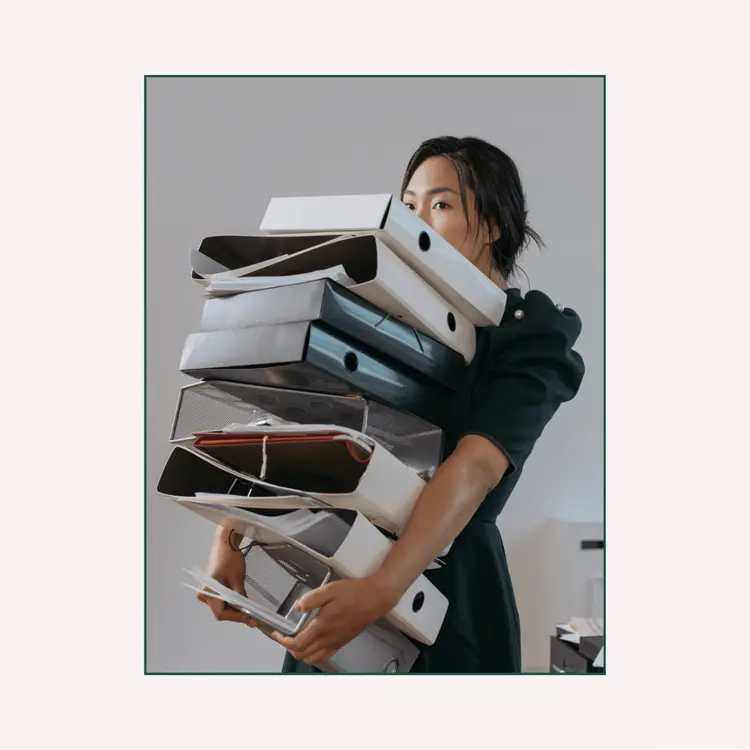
{"points": [[521, 373]]}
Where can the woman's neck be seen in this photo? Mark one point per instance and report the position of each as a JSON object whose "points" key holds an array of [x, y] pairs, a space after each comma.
{"points": [[487, 267]]}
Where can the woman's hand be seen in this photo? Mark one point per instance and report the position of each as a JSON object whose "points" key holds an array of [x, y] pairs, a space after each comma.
{"points": [[226, 564], [347, 607]]}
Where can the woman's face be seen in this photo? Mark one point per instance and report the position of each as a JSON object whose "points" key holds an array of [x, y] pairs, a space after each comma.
{"points": [[434, 194]]}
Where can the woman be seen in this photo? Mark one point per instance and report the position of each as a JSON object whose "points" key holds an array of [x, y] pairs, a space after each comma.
{"points": [[470, 193]]}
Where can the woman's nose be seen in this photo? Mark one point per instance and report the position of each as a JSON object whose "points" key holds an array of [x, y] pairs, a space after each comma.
{"points": [[424, 213]]}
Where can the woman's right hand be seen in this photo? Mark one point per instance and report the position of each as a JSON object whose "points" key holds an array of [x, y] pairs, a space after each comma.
{"points": [[226, 564]]}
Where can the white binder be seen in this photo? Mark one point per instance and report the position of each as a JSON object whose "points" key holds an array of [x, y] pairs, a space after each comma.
{"points": [[193, 475], [378, 275], [422, 608], [383, 489], [453, 276], [380, 648]]}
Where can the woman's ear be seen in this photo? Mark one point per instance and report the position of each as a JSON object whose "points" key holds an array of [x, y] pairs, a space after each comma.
{"points": [[493, 233]]}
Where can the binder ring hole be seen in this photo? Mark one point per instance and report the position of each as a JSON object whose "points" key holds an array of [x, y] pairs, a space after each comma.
{"points": [[452, 321], [424, 241], [351, 362], [416, 605]]}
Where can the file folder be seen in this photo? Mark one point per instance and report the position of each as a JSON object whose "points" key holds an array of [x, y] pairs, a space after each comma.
{"points": [[216, 255], [191, 474], [358, 554], [448, 272], [338, 309], [342, 311], [308, 356], [212, 405], [377, 274], [340, 467]]}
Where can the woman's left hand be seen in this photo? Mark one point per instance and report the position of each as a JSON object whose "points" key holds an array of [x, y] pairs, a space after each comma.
{"points": [[347, 607]]}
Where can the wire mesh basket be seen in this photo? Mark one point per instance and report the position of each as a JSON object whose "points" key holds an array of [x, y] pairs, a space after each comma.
{"points": [[212, 405], [277, 576]]}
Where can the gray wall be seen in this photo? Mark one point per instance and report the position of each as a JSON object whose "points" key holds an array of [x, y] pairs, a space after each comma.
{"points": [[219, 149]]}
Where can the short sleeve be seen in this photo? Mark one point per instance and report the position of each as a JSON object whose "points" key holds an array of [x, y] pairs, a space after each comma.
{"points": [[531, 369]]}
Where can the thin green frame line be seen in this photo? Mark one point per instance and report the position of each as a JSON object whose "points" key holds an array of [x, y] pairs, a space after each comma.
{"points": [[373, 75], [145, 380], [604, 368], [145, 328]]}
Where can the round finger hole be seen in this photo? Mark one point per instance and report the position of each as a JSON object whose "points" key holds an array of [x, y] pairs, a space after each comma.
{"points": [[392, 666], [452, 321], [351, 362], [416, 605], [424, 241]]}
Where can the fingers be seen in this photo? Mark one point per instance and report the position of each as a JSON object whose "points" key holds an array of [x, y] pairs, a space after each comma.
{"points": [[293, 646], [319, 656], [221, 611], [317, 598], [316, 654], [238, 586], [230, 614], [305, 639], [215, 605], [310, 646]]}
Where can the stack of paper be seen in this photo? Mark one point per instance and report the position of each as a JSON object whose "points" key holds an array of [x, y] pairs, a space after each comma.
{"points": [[587, 633], [580, 627], [218, 287]]}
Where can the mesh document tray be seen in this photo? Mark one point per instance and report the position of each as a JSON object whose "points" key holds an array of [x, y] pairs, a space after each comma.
{"points": [[277, 576], [212, 405]]}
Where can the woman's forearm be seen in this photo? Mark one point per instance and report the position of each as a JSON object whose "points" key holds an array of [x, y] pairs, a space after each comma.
{"points": [[443, 509]]}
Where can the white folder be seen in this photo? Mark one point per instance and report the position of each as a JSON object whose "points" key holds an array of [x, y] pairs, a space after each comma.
{"points": [[379, 276], [420, 611], [191, 474], [384, 216], [386, 491]]}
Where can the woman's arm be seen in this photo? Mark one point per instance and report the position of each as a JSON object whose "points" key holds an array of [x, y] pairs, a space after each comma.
{"points": [[443, 509]]}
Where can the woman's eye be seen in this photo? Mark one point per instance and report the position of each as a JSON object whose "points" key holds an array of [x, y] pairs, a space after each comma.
{"points": [[440, 205], [410, 206]]}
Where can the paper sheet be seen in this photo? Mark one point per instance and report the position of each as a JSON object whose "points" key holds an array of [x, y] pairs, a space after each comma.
{"points": [[581, 627], [219, 287]]}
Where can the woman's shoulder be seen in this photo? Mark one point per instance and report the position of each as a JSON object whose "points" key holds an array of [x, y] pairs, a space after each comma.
{"points": [[535, 334], [534, 315], [525, 368]]}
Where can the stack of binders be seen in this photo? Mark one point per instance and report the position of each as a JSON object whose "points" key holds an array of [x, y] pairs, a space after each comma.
{"points": [[328, 348]]}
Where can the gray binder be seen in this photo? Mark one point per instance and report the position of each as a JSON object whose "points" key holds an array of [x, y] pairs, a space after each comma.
{"points": [[307, 356], [213, 405], [334, 307]]}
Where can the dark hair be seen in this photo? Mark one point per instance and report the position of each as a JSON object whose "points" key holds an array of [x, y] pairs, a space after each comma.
{"points": [[493, 177]]}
